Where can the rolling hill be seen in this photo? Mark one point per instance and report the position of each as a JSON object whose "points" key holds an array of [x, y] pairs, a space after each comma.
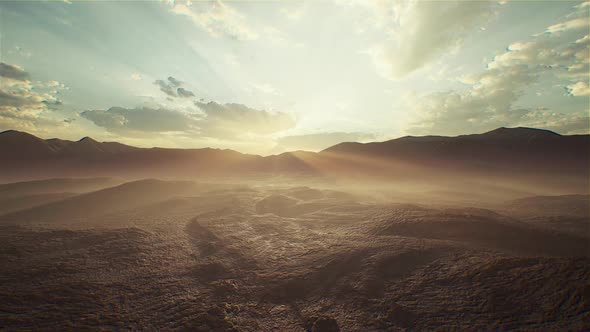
{"points": [[97, 203]]}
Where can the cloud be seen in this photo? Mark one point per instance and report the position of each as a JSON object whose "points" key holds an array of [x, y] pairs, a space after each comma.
{"points": [[566, 58], [490, 98], [181, 92], [10, 100], [25, 104], [567, 55], [571, 123], [232, 121], [13, 72], [217, 18], [136, 77], [578, 89], [223, 20], [576, 23], [225, 122], [17, 91], [172, 87], [420, 31], [137, 121], [488, 104], [30, 120], [318, 141], [174, 82], [455, 113], [166, 88]]}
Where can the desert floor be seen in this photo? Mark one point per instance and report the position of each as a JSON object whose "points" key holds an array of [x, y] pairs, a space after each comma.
{"points": [[176, 255]]}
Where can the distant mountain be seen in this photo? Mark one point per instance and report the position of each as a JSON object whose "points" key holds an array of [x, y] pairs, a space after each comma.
{"points": [[502, 149], [504, 152], [17, 146], [24, 156]]}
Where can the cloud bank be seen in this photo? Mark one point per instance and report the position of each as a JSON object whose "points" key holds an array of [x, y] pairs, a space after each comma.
{"points": [[490, 98], [13, 72], [236, 120], [224, 122], [25, 104], [143, 120]]}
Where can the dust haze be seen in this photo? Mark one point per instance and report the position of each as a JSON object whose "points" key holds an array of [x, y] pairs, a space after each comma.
{"points": [[295, 253], [294, 165]]}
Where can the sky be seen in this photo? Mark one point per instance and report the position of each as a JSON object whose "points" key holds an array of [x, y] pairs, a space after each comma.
{"points": [[266, 77]]}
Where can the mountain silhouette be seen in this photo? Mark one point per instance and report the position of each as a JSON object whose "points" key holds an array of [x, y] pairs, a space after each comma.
{"points": [[503, 152], [507, 149]]}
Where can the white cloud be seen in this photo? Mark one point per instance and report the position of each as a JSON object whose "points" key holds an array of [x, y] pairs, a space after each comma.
{"points": [[577, 23], [136, 77], [490, 98], [420, 31], [217, 18], [235, 121], [220, 19], [578, 89], [26, 104], [565, 58], [223, 122], [454, 113]]}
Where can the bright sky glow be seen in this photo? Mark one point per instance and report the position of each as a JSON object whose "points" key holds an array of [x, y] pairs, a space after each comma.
{"points": [[270, 76]]}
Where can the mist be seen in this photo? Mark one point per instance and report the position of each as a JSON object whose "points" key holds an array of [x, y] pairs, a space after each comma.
{"points": [[305, 166], [373, 245]]}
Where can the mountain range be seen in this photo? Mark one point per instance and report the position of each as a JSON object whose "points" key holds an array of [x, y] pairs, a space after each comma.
{"points": [[519, 152]]}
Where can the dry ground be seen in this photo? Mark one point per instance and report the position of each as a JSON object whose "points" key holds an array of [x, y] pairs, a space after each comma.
{"points": [[160, 255]]}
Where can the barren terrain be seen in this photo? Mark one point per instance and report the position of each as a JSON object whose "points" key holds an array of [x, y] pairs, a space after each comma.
{"points": [[181, 255]]}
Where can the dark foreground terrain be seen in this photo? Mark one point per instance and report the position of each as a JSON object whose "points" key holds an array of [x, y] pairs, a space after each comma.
{"points": [[171, 255]]}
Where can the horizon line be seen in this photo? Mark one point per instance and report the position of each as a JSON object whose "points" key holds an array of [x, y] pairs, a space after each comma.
{"points": [[291, 151]]}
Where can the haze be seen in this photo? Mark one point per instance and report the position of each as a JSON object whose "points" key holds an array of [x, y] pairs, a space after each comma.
{"points": [[315, 166]]}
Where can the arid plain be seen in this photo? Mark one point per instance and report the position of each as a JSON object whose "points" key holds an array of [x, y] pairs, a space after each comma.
{"points": [[297, 252]]}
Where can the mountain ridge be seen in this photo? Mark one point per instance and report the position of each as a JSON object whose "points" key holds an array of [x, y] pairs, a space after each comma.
{"points": [[59, 145], [501, 132], [502, 152]]}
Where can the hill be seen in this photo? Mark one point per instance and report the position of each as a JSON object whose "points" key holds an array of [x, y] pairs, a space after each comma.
{"points": [[97, 203], [52, 186]]}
